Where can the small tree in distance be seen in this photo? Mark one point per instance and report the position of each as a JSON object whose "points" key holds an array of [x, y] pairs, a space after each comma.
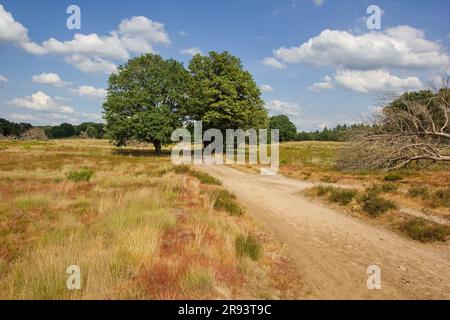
{"points": [[288, 130]]}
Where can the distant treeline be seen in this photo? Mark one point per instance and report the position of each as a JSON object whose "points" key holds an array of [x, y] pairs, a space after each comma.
{"points": [[340, 133], [97, 131], [66, 130]]}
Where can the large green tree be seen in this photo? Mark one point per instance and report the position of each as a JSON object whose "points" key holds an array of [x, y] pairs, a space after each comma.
{"points": [[145, 100], [288, 130], [223, 95]]}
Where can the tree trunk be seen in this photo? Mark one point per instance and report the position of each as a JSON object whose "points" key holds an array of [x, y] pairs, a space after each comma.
{"points": [[157, 145]]}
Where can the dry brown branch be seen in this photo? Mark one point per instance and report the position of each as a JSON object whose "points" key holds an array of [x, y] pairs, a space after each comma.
{"points": [[414, 132]]}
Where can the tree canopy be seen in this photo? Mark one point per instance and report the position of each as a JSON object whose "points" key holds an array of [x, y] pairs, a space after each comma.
{"points": [[288, 130], [145, 100], [223, 95]]}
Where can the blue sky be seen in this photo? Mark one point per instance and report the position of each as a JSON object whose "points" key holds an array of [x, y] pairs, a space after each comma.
{"points": [[315, 61]]}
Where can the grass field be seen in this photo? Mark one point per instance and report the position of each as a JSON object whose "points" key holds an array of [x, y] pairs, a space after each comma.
{"points": [[135, 225]]}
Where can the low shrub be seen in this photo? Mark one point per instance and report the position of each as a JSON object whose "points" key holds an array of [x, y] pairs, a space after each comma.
{"points": [[419, 192], [342, 196], [226, 201], [425, 231], [375, 206], [393, 176], [441, 198], [80, 175], [205, 178], [182, 169], [248, 246]]}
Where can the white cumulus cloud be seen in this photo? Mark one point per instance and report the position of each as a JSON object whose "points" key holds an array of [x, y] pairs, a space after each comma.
{"points": [[371, 81], [90, 92], [398, 47], [273, 63], [40, 101], [52, 79], [3, 80], [191, 51], [91, 53], [266, 88], [276, 107]]}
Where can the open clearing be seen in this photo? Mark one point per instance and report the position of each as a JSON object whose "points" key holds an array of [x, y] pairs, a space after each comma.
{"points": [[333, 249]]}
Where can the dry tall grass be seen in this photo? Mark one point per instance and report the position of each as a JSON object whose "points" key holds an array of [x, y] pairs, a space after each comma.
{"points": [[135, 228]]}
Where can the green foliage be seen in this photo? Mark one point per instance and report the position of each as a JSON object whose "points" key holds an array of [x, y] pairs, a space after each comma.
{"points": [[9, 129], [65, 130], [342, 196], [223, 95], [182, 169], [288, 131], [393, 176], [145, 99], [91, 130], [340, 133], [205, 178], [375, 206], [80, 175], [226, 201], [248, 246], [425, 231], [338, 195]]}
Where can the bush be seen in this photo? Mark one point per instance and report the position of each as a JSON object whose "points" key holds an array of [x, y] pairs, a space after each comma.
{"points": [[322, 190], [342, 196], [248, 247], [80, 175], [183, 169], [226, 201], [389, 187], [393, 176], [417, 192], [441, 198], [425, 231], [375, 205]]}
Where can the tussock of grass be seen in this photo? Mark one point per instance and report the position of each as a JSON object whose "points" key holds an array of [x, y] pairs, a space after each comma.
{"points": [[393, 176], [375, 206], [248, 246], [80, 175], [201, 176], [198, 279], [342, 196], [371, 202], [226, 201], [338, 195], [31, 202], [425, 231], [419, 192], [205, 178]]}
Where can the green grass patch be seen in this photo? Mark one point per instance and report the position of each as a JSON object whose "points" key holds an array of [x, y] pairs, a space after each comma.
{"points": [[80, 175], [205, 178], [248, 246], [393, 176], [226, 201]]}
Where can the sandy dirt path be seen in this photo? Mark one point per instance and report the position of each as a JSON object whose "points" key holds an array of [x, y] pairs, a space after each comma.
{"points": [[334, 250]]}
